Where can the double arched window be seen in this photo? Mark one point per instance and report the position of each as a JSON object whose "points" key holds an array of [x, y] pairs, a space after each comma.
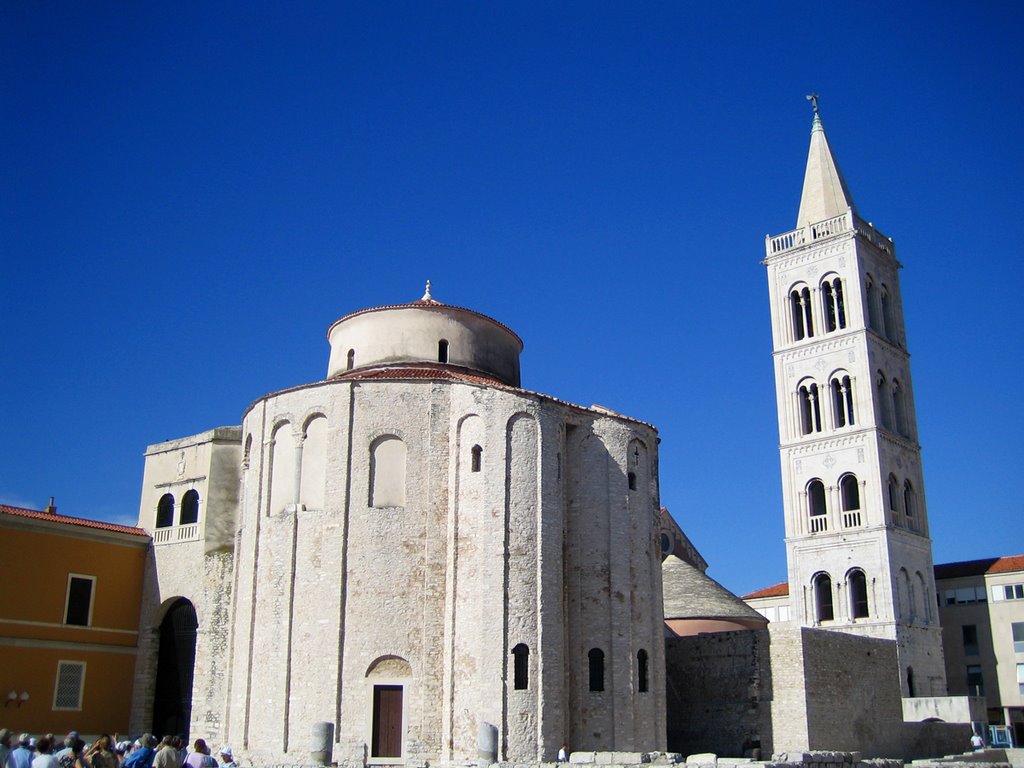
{"points": [[801, 313], [810, 408], [842, 400], [835, 304]]}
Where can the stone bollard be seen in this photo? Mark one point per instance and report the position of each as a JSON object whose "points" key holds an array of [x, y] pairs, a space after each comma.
{"points": [[323, 741], [487, 743]]}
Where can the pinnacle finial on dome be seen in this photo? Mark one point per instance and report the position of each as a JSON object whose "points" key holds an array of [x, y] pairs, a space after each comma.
{"points": [[426, 294]]}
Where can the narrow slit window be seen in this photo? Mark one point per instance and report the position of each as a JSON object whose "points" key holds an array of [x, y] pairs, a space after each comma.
{"points": [[596, 659], [476, 458], [641, 671], [350, 362], [631, 479], [521, 667], [442, 351]]}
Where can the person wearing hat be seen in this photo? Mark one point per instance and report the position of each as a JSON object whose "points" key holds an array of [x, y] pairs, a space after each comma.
{"points": [[227, 760], [21, 756]]}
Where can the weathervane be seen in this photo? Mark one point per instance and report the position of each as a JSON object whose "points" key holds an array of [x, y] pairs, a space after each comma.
{"points": [[813, 98]]}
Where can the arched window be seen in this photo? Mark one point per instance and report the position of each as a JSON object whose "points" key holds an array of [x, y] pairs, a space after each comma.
{"points": [[829, 300], [313, 482], [387, 472], [884, 401], [442, 351], [189, 508], [842, 401], [631, 479], [282, 469], [800, 311], [476, 458], [823, 597], [350, 360], [810, 409], [165, 511], [816, 506], [909, 499], [894, 498], [874, 322], [521, 667], [596, 659], [849, 491], [641, 671], [899, 408], [858, 594], [837, 291], [888, 323]]}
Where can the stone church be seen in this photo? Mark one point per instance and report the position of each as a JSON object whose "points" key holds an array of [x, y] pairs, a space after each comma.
{"points": [[415, 550], [416, 560]]}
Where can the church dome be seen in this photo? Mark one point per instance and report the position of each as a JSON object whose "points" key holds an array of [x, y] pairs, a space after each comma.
{"points": [[424, 333]]}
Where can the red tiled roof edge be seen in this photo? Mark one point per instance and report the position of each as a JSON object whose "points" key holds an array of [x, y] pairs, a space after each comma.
{"points": [[775, 590], [66, 520], [979, 567]]}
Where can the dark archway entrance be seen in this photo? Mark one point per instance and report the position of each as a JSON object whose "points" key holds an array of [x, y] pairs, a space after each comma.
{"points": [[176, 660]]}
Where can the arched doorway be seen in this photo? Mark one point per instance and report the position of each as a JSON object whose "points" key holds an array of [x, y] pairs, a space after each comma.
{"points": [[176, 659]]}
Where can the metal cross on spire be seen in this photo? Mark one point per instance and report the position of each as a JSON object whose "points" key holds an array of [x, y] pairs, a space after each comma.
{"points": [[813, 98]]}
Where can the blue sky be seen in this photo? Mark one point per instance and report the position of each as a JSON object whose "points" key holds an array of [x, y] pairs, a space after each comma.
{"points": [[190, 195]]}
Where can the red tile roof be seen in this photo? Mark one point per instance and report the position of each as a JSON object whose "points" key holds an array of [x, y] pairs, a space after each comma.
{"points": [[980, 567], [775, 590], [66, 520], [428, 372]]}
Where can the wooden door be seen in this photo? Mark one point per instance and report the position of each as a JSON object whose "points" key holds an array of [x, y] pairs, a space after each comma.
{"points": [[387, 721]]}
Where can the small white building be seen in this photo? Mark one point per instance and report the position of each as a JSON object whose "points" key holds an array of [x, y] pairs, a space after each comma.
{"points": [[414, 550]]}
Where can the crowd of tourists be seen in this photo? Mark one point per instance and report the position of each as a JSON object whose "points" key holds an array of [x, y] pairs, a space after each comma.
{"points": [[50, 751]]}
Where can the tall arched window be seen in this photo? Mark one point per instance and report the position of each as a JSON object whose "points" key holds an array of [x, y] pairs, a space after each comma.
{"points": [[641, 671], [800, 311], [858, 594], [874, 323], [810, 409], [899, 409], [823, 597], [521, 667], [888, 321], [282, 469], [165, 511], [837, 291], [884, 401], [894, 498], [816, 506], [828, 299], [849, 491], [909, 499], [189, 508], [842, 401], [442, 351], [596, 662], [387, 472]]}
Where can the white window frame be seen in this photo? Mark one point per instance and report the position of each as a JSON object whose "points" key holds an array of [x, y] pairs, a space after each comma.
{"points": [[61, 665], [67, 597]]}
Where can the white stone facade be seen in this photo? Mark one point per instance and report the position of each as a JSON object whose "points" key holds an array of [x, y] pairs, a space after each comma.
{"points": [[420, 549], [857, 541]]}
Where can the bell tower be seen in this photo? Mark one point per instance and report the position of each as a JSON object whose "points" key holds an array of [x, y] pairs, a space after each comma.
{"points": [[857, 545]]}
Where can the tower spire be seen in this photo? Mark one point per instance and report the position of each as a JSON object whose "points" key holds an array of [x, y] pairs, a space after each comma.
{"points": [[825, 194]]}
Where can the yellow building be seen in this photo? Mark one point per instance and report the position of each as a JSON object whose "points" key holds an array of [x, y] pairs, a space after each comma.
{"points": [[69, 618]]}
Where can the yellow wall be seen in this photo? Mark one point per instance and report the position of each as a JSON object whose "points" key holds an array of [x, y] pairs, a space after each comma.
{"points": [[33, 637]]}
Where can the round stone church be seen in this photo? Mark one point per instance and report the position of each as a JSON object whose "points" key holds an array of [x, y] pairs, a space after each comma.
{"points": [[415, 554]]}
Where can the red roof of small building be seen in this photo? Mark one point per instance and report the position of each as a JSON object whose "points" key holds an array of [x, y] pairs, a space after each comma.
{"points": [[66, 520], [775, 590], [980, 567]]}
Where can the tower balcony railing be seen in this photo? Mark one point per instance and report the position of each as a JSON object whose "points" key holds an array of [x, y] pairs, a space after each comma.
{"points": [[845, 222], [819, 523], [176, 534], [851, 518]]}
